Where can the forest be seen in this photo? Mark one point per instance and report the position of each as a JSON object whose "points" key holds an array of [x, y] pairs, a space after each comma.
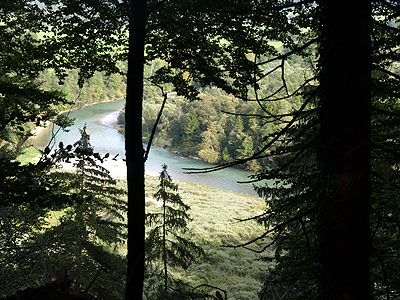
{"points": [[305, 94]]}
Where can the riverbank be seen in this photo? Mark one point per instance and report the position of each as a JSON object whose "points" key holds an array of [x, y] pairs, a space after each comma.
{"points": [[99, 120], [38, 129]]}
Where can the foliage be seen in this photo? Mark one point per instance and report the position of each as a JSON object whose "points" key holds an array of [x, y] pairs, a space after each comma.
{"points": [[167, 245], [215, 212], [98, 225], [101, 87], [213, 47], [82, 237], [293, 216]]}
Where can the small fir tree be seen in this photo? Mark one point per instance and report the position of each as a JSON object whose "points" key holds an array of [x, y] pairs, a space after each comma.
{"points": [[167, 244], [89, 235]]}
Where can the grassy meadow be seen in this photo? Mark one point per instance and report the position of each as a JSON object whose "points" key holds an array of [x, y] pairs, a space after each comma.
{"points": [[236, 270]]}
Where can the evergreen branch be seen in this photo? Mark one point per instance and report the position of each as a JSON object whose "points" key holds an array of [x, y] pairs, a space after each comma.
{"points": [[386, 112], [93, 280], [389, 5], [303, 226], [384, 271], [386, 27]]}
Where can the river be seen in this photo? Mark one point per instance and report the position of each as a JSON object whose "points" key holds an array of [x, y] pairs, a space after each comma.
{"points": [[100, 120]]}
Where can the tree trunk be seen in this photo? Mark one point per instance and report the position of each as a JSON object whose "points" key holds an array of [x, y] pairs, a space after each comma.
{"points": [[134, 152], [165, 249], [345, 118]]}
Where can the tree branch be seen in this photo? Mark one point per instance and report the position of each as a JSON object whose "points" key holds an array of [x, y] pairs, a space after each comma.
{"points": [[290, 53], [279, 227], [387, 72], [153, 131], [262, 150]]}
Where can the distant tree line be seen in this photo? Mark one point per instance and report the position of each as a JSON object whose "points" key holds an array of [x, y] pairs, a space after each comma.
{"points": [[99, 88]]}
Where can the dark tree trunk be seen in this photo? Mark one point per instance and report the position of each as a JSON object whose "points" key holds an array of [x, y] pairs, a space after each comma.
{"points": [[134, 152], [345, 66]]}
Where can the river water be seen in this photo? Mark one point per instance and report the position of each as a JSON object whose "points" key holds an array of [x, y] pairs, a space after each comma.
{"points": [[100, 120]]}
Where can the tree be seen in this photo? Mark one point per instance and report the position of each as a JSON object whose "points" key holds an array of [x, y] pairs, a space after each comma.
{"points": [[191, 130], [307, 206], [81, 234], [308, 219], [27, 192], [210, 145], [89, 241], [165, 244], [345, 151]]}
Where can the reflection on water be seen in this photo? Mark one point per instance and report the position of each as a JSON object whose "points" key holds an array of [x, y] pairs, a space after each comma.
{"points": [[101, 118]]}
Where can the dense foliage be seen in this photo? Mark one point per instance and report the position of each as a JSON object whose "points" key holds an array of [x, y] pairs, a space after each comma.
{"points": [[83, 235], [167, 243], [100, 87]]}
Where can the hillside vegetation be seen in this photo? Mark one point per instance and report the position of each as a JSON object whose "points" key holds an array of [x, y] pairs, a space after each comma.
{"points": [[219, 127], [215, 213]]}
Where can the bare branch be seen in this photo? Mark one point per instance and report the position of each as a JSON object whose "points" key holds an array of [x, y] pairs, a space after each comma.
{"points": [[387, 72], [290, 53], [153, 131], [213, 287], [266, 246], [278, 227]]}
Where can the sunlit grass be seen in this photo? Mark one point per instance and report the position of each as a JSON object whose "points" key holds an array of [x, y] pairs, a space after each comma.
{"points": [[28, 155], [214, 226]]}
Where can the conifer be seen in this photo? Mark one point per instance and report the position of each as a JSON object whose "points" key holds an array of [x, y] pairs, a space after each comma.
{"points": [[167, 245]]}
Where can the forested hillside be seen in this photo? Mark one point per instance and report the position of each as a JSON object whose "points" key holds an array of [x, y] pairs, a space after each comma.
{"points": [[99, 88], [219, 127]]}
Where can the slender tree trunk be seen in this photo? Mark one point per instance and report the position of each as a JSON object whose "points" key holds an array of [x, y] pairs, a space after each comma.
{"points": [[134, 151], [165, 248], [345, 61]]}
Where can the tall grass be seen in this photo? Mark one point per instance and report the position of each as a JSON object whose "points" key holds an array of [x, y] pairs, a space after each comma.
{"points": [[215, 226]]}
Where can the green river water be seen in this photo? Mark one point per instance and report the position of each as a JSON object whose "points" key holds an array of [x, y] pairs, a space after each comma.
{"points": [[100, 120]]}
